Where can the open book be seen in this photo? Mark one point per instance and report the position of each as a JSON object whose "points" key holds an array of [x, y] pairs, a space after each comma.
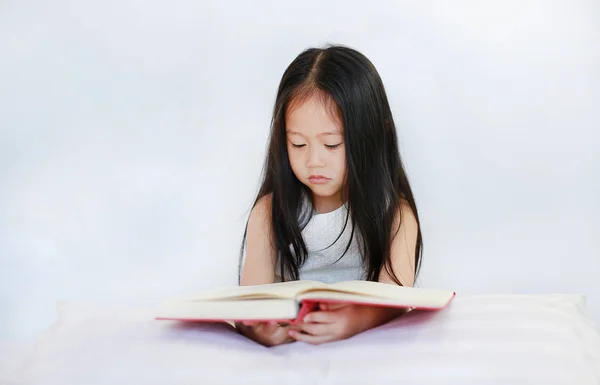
{"points": [[290, 301]]}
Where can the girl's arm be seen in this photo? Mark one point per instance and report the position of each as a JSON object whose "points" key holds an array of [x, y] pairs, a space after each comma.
{"points": [[259, 268], [403, 245], [343, 321], [402, 255]]}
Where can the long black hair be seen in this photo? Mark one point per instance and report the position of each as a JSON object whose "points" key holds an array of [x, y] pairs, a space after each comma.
{"points": [[375, 183]]}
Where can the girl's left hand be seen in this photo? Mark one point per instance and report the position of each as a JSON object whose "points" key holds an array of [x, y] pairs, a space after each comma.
{"points": [[332, 322]]}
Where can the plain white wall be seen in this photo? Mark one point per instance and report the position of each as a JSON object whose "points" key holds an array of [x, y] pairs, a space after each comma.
{"points": [[132, 136]]}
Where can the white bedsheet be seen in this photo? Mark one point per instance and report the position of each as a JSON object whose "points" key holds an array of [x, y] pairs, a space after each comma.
{"points": [[12, 354], [477, 340]]}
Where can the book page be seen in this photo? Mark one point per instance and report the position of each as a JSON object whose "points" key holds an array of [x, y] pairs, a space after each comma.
{"points": [[406, 301], [271, 290], [259, 310], [423, 297]]}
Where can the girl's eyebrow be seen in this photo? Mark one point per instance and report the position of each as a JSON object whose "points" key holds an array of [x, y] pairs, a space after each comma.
{"points": [[322, 133]]}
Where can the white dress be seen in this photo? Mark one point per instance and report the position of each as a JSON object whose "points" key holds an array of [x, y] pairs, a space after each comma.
{"points": [[324, 262]]}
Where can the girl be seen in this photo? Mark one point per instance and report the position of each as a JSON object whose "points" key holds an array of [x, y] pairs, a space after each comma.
{"points": [[335, 203]]}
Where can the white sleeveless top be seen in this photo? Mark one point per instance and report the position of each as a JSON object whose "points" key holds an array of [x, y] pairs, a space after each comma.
{"points": [[324, 262]]}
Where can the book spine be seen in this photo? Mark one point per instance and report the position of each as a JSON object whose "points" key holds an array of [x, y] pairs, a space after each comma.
{"points": [[305, 308]]}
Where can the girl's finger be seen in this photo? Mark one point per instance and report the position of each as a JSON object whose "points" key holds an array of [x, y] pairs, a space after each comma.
{"points": [[315, 329], [315, 340], [335, 306], [320, 317]]}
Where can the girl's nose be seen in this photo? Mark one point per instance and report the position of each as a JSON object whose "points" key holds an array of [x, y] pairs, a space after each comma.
{"points": [[314, 158]]}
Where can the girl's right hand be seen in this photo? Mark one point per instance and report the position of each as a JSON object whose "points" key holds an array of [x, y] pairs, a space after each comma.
{"points": [[266, 333]]}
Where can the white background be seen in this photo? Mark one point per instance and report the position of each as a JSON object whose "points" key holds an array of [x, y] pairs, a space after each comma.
{"points": [[132, 136]]}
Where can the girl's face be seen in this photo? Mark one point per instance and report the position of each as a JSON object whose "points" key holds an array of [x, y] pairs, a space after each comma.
{"points": [[315, 143]]}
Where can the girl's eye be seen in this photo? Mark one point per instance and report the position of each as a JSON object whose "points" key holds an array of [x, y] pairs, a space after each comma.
{"points": [[332, 146], [298, 145]]}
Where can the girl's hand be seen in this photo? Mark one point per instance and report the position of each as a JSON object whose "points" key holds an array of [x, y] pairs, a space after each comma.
{"points": [[266, 333], [332, 322]]}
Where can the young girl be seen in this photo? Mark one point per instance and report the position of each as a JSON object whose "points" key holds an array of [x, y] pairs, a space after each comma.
{"points": [[335, 203]]}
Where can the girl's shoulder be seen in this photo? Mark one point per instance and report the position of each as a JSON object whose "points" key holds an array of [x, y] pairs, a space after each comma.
{"points": [[260, 214], [405, 217]]}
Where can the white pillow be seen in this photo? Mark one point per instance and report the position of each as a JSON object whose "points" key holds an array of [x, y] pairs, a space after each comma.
{"points": [[502, 339]]}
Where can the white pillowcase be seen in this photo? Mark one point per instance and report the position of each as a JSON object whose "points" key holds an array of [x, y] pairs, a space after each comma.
{"points": [[501, 339]]}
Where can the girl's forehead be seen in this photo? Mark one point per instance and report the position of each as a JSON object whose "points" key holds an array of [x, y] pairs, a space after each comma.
{"points": [[313, 116]]}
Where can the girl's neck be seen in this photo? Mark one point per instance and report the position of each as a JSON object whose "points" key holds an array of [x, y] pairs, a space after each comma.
{"points": [[323, 205]]}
